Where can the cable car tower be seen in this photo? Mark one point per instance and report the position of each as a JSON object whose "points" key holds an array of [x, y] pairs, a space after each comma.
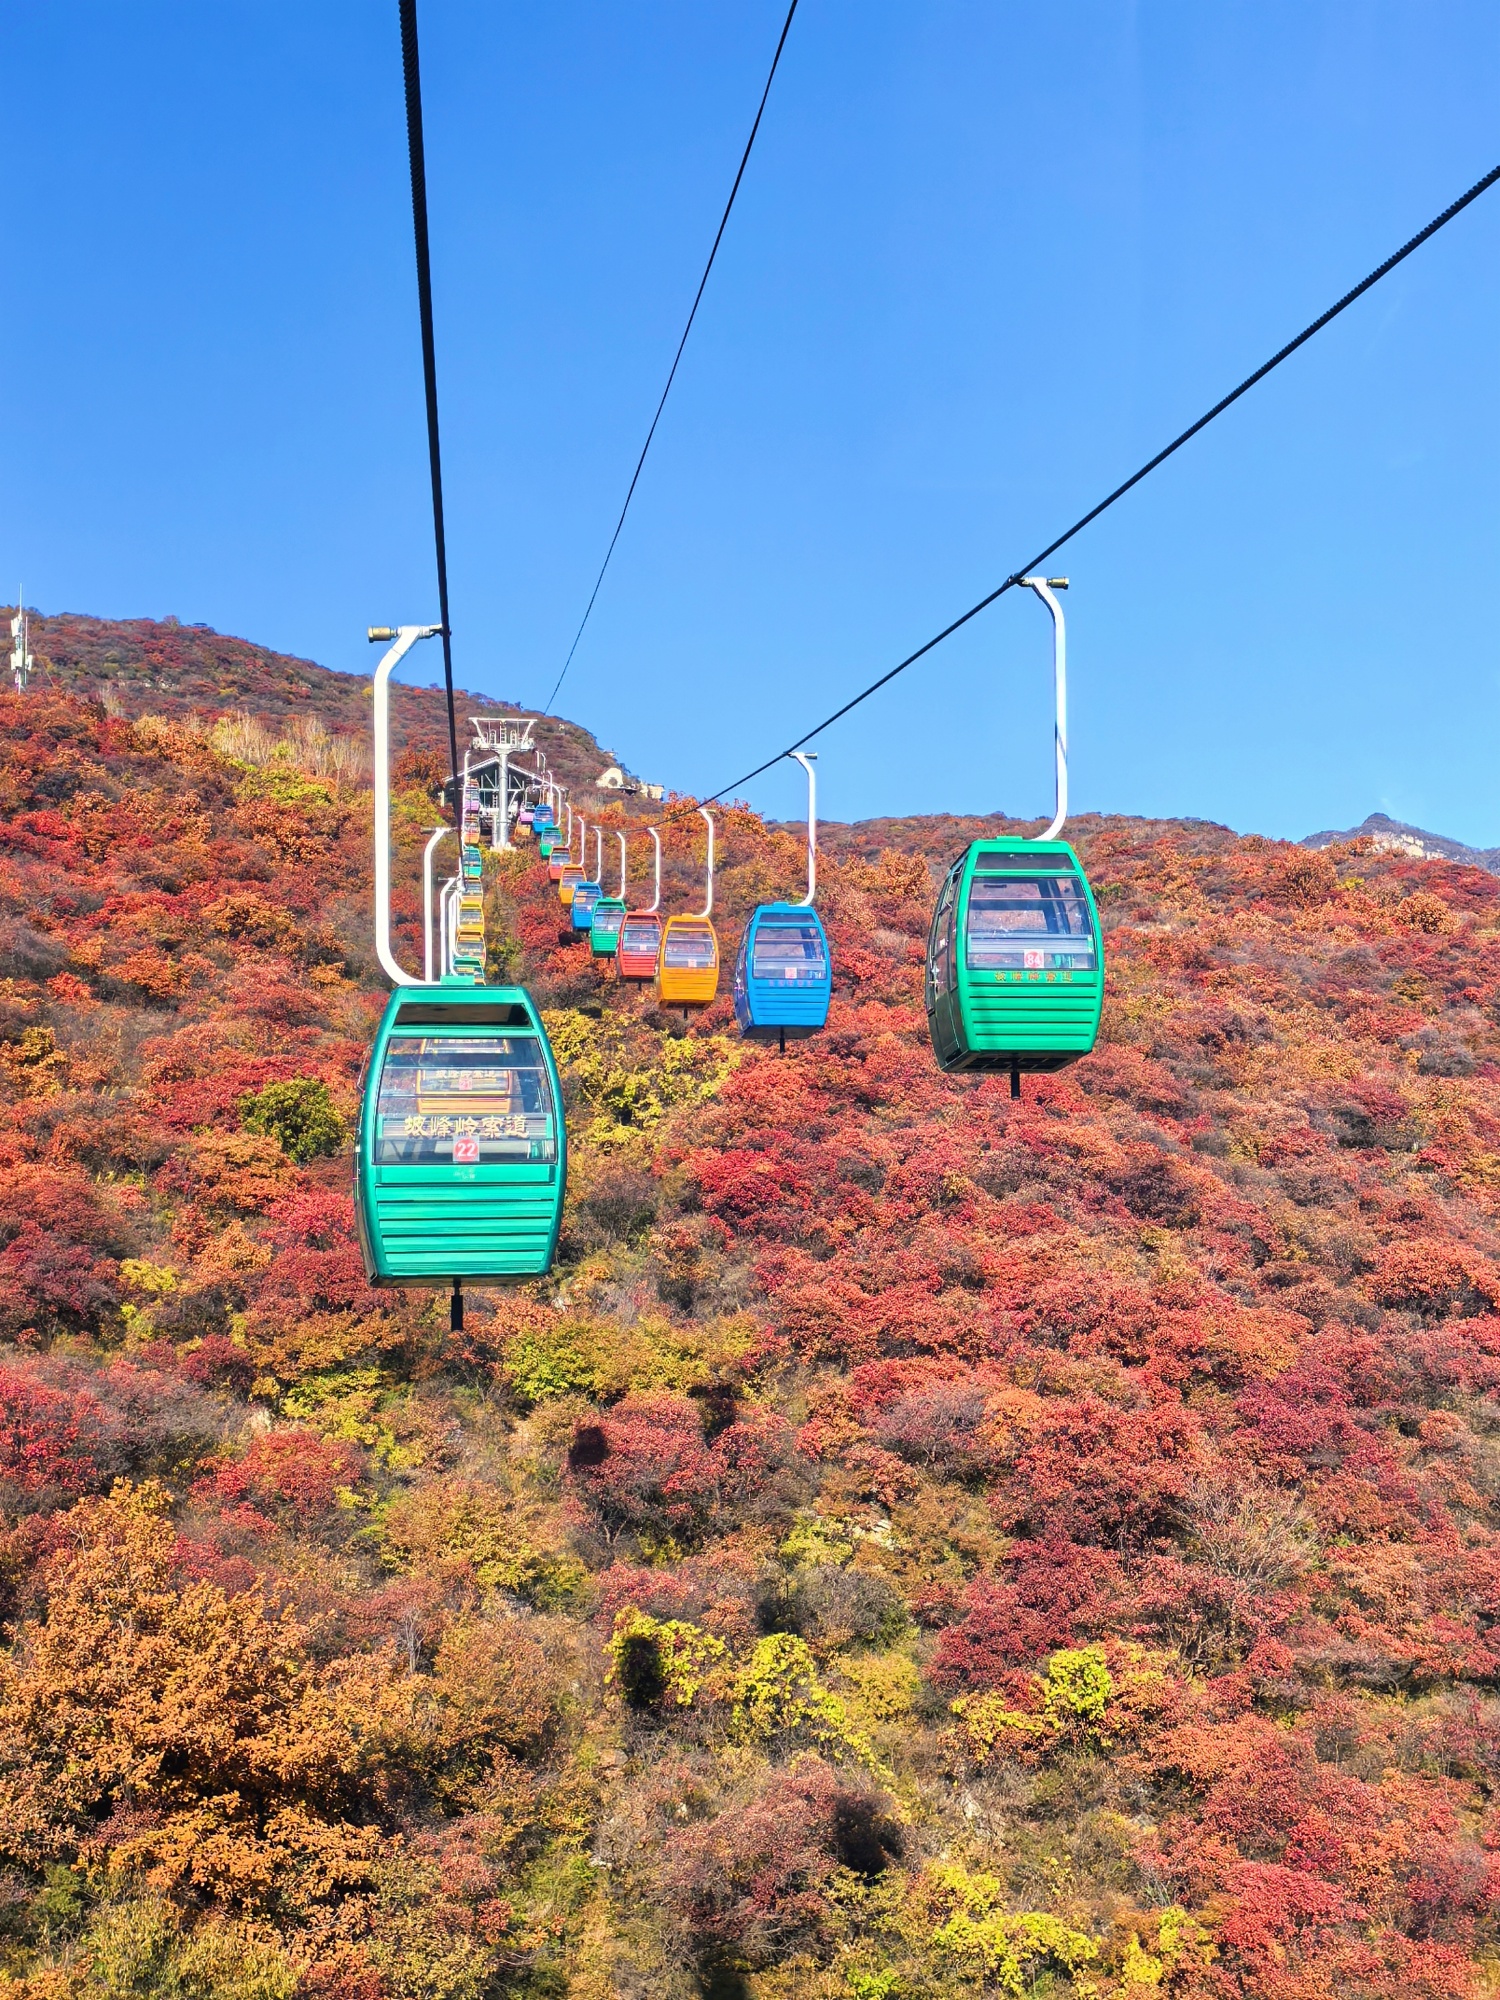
{"points": [[500, 737], [21, 661]]}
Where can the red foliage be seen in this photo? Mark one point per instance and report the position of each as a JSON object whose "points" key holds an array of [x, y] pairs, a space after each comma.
{"points": [[751, 1886], [291, 1471], [46, 1437], [1048, 1594], [646, 1465]]}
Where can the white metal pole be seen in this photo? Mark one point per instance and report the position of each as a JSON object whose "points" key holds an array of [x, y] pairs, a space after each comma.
{"points": [[503, 823], [428, 851], [812, 823], [708, 907], [599, 856], [656, 899], [1044, 587], [449, 897], [621, 838], [405, 637]]}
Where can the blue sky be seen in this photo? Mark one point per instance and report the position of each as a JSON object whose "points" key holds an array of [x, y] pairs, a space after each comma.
{"points": [[986, 259]]}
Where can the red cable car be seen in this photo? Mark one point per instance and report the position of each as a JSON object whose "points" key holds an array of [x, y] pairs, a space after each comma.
{"points": [[640, 934]]}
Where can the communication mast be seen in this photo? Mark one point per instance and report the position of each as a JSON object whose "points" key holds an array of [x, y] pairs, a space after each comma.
{"points": [[21, 661]]}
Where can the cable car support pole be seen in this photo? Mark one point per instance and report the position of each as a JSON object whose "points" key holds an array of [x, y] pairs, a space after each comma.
{"points": [[656, 899], [807, 763], [708, 907], [436, 839], [405, 637], [1044, 587]]}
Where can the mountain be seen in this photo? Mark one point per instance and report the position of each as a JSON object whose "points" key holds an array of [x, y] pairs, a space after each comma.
{"points": [[916, 1543], [1396, 837], [143, 666]]}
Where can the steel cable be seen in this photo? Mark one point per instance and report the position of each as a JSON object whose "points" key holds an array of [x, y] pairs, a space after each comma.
{"points": [[672, 372], [412, 71], [1317, 325]]}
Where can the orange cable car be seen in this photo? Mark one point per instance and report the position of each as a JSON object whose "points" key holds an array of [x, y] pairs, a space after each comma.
{"points": [[562, 850], [640, 934], [687, 972]]}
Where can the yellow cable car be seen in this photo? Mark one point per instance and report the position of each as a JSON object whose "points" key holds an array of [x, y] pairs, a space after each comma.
{"points": [[687, 971], [568, 881]]}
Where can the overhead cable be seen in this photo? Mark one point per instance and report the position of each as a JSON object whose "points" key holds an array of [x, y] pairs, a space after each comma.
{"points": [[1036, 562], [672, 372], [412, 70]]}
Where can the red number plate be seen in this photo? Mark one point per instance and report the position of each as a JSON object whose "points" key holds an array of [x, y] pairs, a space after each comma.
{"points": [[465, 1152]]}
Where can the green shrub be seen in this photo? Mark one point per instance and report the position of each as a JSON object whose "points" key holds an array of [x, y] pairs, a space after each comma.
{"points": [[299, 1113]]}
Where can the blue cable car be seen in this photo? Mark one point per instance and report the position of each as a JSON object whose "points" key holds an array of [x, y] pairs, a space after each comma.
{"points": [[783, 977], [585, 895]]}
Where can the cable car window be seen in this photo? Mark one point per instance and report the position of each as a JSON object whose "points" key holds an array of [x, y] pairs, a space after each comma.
{"points": [[459, 1099], [940, 944], [1021, 864], [1029, 923], [791, 949], [640, 937], [586, 895], [692, 950], [606, 922]]}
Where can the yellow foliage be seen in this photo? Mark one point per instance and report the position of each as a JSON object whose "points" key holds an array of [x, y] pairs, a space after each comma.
{"points": [[778, 1693], [575, 1355], [462, 1528], [629, 1075], [882, 1686], [655, 1661], [1010, 1949]]}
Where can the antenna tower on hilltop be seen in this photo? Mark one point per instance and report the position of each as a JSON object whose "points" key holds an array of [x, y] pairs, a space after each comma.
{"points": [[20, 650]]}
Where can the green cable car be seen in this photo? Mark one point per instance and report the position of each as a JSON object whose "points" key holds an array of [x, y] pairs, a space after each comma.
{"points": [[604, 932], [1015, 954], [462, 1145], [1015, 965]]}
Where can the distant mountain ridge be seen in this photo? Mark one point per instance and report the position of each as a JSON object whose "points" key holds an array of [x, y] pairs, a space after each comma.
{"points": [[1394, 836]]}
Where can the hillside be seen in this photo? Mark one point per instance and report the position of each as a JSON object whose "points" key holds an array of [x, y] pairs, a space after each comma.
{"points": [[147, 666], [917, 1544]]}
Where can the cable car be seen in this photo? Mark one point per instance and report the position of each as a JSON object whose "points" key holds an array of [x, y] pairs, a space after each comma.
{"points": [[1015, 955], [568, 878], [462, 1145], [1015, 968], [783, 977], [687, 970], [461, 1165], [640, 945], [609, 914], [604, 934], [582, 903], [640, 934]]}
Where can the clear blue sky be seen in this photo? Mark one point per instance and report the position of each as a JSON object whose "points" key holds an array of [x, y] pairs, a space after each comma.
{"points": [[986, 259]]}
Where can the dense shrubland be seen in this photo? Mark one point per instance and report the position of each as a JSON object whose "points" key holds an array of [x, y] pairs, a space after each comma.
{"points": [[918, 1544]]}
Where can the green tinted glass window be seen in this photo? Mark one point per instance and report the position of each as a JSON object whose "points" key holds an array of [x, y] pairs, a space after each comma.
{"points": [[1030, 922], [465, 1101]]}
